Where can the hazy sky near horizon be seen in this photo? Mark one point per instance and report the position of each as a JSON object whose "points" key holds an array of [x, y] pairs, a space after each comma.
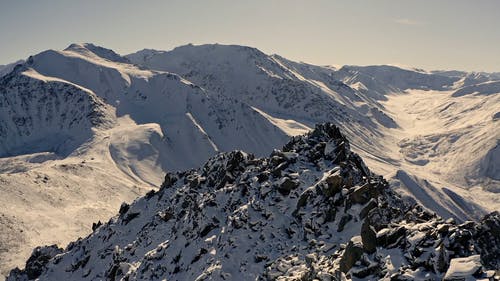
{"points": [[429, 34]]}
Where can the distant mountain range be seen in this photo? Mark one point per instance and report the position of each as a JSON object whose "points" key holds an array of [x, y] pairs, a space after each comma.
{"points": [[84, 129]]}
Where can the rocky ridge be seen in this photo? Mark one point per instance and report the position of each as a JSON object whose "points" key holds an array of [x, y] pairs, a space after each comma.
{"points": [[311, 211]]}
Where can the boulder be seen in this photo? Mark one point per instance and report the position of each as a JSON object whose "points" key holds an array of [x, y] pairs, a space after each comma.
{"points": [[464, 268], [286, 185], [334, 183], [368, 237], [366, 209], [388, 237], [352, 254], [363, 194]]}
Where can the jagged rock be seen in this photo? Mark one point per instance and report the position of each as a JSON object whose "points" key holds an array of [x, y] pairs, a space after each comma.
{"points": [[352, 254], [166, 215], [343, 221], [390, 236], [169, 180], [369, 237], [124, 207], [442, 259], [334, 182], [286, 185], [304, 197], [366, 209], [96, 225], [363, 194], [209, 227], [260, 258], [37, 262]]}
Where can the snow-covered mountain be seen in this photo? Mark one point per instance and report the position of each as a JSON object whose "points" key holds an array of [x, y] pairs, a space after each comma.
{"points": [[311, 211], [85, 129], [282, 89], [191, 119], [402, 121], [87, 109]]}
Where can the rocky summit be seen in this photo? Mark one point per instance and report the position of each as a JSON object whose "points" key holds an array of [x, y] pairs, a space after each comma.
{"points": [[310, 211]]}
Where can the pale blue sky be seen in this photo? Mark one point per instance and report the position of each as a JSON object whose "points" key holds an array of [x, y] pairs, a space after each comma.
{"points": [[437, 34]]}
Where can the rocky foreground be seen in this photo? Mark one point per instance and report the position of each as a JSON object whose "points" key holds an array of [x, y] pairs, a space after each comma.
{"points": [[311, 211]]}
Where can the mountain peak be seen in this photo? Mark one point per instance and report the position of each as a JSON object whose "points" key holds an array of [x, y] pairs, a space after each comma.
{"points": [[216, 47], [205, 51], [91, 49]]}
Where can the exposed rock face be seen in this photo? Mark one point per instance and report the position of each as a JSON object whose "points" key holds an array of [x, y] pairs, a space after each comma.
{"points": [[231, 220]]}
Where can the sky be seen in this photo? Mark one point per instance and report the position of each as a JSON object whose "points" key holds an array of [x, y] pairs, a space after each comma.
{"points": [[444, 34]]}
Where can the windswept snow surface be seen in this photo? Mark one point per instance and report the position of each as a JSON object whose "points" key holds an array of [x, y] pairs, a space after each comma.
{"points": [[84, 129]]}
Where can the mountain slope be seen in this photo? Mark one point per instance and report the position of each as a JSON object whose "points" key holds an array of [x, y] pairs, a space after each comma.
{"points": [[312, 210], [449, 140], [384, 79], [166, 99], [398, 119], [42, 114], [276, 86]]}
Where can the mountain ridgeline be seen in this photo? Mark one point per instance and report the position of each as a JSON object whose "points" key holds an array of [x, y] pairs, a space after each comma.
{"points": [[309, 211]]}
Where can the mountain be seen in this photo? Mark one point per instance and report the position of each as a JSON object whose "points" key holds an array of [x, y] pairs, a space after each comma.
{"points": [[401, 121], [84, 129], [381, 80], [283, 90], [310, 211], [208, 119], [85, 113], [269, 83]]}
